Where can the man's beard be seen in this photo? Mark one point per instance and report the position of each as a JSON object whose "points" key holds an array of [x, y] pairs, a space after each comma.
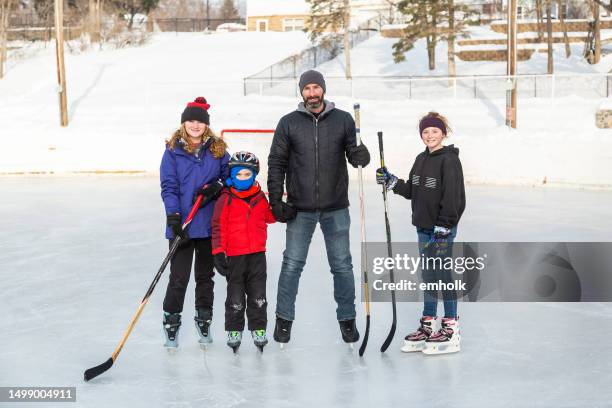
{"points": [[313, 103]]}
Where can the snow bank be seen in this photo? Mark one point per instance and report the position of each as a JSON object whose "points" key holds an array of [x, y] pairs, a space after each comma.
{"points": [[124, 103]]}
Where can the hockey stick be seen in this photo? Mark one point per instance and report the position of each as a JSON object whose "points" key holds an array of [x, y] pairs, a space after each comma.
{"points": [[389, 338], [97, 370], [364, 260]]}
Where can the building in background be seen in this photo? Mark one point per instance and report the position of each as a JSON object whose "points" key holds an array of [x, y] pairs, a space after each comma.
{"points": [[277, 15]]}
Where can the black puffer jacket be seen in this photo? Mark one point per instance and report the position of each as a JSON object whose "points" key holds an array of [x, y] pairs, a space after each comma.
{"points": [[310, 153], [435, 187]]}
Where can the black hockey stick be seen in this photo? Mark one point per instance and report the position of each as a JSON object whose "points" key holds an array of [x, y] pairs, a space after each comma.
{"points": [[364, 260], [99, 369], [389, 338]]}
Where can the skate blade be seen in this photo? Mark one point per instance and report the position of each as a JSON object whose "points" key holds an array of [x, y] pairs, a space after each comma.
{"points": [[171, 344], [441, 349], [203, 339], [204, 346], [171, 349], [412, 346], [260, 347], [234, 348]]}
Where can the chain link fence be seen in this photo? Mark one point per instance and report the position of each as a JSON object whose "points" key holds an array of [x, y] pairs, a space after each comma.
{"points": [[590, 86], [276, 76]]}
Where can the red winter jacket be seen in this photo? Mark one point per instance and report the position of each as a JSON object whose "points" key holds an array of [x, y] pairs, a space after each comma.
{"points": [[239, 227]]}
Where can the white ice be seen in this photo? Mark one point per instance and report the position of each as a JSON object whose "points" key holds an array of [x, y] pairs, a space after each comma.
{"points": [[78, 254]]}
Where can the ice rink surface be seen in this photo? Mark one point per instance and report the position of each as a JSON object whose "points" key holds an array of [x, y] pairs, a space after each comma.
{"points": [[78, 254]]}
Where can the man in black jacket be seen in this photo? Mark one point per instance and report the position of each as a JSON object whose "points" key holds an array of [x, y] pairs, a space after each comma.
{"points": [[309, 152]]}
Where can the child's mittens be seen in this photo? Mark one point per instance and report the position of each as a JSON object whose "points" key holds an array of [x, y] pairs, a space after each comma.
{"points": [[385, 178]]}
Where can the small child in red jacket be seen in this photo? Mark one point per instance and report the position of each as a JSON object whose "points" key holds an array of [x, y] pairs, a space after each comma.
{"points": [[239, 233]]}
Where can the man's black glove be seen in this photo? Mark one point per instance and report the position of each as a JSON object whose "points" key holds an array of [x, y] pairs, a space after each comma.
{"points": [[209, 192], [220, 261], [283, 212], [174, 222], [359, 156]]}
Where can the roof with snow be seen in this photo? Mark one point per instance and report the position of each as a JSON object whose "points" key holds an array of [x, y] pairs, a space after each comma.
{"points": [[277, 7]]}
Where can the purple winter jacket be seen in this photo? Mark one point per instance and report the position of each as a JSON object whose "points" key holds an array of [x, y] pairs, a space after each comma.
{"points": [[181, 175]]}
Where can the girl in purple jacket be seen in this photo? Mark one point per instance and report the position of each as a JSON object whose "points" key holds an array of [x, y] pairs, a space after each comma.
{"points": [[193, 163]]}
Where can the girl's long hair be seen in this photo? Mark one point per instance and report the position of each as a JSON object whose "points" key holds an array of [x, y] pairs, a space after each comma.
{"points": [[437, 116], [217, 147]]}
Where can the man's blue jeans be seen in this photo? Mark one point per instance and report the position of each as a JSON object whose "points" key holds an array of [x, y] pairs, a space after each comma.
{"points": [[431, 299], [335, 226]]}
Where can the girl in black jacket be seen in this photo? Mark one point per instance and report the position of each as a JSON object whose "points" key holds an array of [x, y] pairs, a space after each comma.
{"points": [[435, 188]]}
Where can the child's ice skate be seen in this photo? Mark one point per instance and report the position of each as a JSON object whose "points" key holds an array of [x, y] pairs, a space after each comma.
{"points": [[172, 324], [445, 340], [415, 341], [259, 338], [234, 338]]}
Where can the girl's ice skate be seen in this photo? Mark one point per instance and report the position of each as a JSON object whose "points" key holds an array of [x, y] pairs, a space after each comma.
{"points": [[415, 341], [172, 324], [445, 340]]}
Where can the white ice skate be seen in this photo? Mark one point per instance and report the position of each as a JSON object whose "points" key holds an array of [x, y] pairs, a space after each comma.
{"points": [[446, 340], [415, 341]]}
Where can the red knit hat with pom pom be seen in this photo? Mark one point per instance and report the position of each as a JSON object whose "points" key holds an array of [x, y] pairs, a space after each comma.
{"points": [[197, 110]]}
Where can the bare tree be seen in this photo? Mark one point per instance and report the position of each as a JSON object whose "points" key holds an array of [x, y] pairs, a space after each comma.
{"points": [[452, 70], [549, 35], [5, 12], [539, 18], [596, 31], [568, 49]]}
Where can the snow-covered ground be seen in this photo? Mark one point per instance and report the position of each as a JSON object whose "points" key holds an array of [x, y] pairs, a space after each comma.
{"points": [[124, 103], [78, 254]]}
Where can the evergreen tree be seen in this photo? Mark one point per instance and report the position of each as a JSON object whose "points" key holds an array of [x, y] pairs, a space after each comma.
{"points": [[228, 10]]}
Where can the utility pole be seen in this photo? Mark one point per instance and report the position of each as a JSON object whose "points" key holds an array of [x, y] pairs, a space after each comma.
{"points": [[59, 53], [511, 90]]}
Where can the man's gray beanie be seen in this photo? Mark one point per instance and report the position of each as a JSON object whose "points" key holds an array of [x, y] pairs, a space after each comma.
{"points": [[312, 77]]}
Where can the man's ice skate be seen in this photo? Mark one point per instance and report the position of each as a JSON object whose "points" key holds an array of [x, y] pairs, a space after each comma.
{"points": [[282, 331], [172, 324], [259, 338], [349, 331], [202, 323], [445, 340], [415, 341], [234, 338]]}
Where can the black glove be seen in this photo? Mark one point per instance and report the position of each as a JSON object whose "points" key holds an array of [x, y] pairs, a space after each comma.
{"points": [[359, 156], [209, 192], [174, 222], [220, 261], [283, 212]]}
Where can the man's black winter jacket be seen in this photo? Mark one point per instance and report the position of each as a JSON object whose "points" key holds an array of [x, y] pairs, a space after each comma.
{"points": [[310, 153], [435, 188]]}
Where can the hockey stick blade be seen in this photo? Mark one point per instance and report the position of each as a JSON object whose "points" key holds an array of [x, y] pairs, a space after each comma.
{"points": [[364, 342], [93, 372], [388, 340]]}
